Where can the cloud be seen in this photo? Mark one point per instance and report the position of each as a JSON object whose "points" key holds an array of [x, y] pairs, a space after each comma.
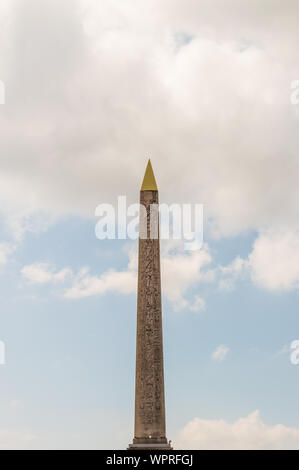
{"points": [[6, 249], [76, 132], [27, 220], [228, 275], [184, 270], [274, 261], [198, 304], [41, 273], [220, 353], [181, 272], [247, 433], [86, 285], [272, 265]]}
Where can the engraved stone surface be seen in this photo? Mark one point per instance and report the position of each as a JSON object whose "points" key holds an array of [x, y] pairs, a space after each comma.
{"points": [[149, 385]]}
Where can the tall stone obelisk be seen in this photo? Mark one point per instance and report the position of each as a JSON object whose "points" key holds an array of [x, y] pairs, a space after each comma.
{"points": [[150, 430]]}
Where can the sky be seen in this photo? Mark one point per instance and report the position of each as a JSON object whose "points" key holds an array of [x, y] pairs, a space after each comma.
{"points": [[89, 91]]}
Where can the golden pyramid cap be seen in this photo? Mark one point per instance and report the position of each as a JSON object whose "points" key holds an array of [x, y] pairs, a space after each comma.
{"points": [[149, 181]]}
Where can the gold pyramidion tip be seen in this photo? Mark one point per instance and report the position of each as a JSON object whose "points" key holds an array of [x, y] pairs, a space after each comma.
{"points": [[149, 181]]}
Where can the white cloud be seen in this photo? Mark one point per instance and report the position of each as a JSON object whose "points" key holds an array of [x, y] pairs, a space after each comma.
{"points": [[181, 271], [6, 249], [272, 265], [41, 273], [27, 220], [207, 85], [86, 285], [198, 304], [220, 353], [231, 273], [247, 433], [274, 261]]}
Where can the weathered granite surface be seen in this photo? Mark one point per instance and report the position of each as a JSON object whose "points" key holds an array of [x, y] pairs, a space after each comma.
{"points": [[149, 386]]}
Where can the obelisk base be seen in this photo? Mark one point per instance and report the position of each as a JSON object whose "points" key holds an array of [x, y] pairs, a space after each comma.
{"points": [[150, 444]]}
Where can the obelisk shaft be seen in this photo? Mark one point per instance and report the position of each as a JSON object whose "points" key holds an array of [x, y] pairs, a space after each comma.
{"points": [[149, 385]]}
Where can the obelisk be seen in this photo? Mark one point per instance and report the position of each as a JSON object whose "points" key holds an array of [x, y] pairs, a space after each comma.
{"points": [[150, 430]]}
